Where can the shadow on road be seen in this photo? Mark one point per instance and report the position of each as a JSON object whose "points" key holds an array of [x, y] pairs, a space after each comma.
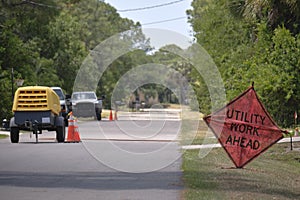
{"points": [[92, 180]]}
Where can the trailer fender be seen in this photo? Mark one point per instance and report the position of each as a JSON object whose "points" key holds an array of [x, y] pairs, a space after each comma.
{"points": [[12, 122]]}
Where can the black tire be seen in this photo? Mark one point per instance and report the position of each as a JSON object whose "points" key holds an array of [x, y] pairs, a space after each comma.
{"points": [[14, 134], [60, 134], [98, 116]]}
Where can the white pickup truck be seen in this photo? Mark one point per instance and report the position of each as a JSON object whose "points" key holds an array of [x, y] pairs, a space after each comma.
{"points": [[63, 103], [86, 104]]}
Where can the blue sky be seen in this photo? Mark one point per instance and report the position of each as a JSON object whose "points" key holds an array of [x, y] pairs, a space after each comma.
{"points": [[177, 10]]}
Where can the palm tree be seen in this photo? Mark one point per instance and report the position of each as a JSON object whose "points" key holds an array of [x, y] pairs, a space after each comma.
{"points": [[276, 12]]}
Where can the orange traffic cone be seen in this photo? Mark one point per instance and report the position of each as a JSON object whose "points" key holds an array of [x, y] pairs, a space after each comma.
{"points": [[73, 133], [110, 116], [76, 134]]}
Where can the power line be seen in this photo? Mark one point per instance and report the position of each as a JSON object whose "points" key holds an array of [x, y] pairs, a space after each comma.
{"points": [[151, 7], [163, 21], [23, 2], [36, 4]]}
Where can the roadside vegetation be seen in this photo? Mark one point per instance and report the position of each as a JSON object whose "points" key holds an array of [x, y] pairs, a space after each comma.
{"points": [[249, 41], [2, 136], [273, 175], [253, 41]]}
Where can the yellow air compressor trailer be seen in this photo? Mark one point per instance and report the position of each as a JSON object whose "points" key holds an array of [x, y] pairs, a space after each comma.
{"points": [[36, 108]]}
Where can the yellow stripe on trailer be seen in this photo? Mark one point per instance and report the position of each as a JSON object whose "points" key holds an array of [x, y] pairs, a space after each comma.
{"points": [[36, 98]]}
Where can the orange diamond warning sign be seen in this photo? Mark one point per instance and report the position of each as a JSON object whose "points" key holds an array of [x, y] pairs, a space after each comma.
{"points": [[244, 128]]}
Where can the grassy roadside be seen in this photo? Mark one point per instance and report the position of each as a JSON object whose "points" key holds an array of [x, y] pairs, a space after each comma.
{"points": [[2, 136], [105, 113], [195, 131], [273, 175]]}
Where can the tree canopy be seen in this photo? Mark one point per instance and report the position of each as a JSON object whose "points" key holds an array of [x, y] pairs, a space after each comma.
{"points": [[45, 42], [254, 41]]}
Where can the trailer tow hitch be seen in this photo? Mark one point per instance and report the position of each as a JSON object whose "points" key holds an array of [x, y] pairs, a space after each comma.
{"points": [[33, 126]]}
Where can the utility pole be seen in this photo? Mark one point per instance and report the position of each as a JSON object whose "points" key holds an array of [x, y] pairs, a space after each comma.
{"points": [[12, 84]]}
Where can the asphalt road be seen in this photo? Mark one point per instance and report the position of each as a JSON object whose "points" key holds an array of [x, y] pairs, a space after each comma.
{"points": [[96, 168]]}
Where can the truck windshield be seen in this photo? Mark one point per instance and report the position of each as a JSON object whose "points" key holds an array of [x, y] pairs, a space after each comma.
{"points": [[79, 96], [59, 93]]}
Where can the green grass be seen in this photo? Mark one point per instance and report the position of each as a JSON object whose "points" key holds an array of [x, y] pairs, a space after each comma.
{"points": [[105, 113], [273, 175], [2, 136], [194, 132]]}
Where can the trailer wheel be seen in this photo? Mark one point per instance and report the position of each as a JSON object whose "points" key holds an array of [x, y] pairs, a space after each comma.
{"points": [[60, 134], [14, 134]]}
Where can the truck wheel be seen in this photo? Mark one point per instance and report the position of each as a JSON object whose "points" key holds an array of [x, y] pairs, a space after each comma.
{"points": [[60, 134], [14, 134]]}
